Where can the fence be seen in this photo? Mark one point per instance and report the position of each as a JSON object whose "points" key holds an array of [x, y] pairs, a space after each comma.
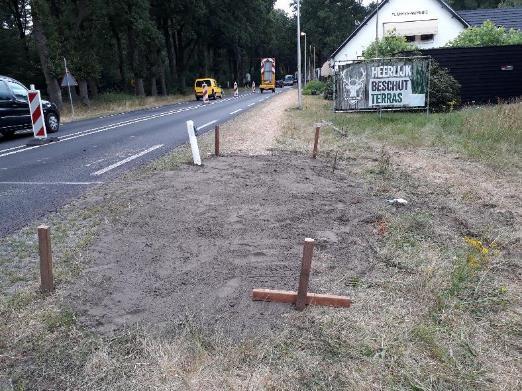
{"points": [[486, 74]]}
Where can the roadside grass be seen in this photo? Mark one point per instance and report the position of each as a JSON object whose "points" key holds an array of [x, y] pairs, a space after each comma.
{"points": [[439, 311], [112, 103], [492, 134]]}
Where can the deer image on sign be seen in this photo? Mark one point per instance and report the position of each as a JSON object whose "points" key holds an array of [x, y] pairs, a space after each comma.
{"points": [[390, 83]]}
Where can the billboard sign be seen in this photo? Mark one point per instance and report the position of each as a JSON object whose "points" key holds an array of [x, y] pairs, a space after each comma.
{"points": [[389, 83]]}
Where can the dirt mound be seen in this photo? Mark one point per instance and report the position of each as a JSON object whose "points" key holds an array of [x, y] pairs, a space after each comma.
{"points": [[196, 241]]}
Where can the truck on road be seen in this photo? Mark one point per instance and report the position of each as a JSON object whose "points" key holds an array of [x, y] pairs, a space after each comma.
{"points": [[268, 75]]}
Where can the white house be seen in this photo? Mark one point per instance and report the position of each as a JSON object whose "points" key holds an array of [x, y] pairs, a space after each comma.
{"points": [[425, 23]]}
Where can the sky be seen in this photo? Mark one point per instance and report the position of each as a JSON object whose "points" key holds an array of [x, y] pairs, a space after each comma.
{"points": [[285, 4]]}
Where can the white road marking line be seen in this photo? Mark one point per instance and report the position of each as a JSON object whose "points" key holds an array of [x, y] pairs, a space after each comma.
{"points": [[237, 111], [207, 124], [50, 183], [95, 162], [251, 104], [22, 150], [129, 159], [12, 148], [87, 132]]}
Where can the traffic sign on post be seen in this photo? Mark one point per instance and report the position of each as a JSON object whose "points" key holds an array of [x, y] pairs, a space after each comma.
{"points": [[69, 80]]}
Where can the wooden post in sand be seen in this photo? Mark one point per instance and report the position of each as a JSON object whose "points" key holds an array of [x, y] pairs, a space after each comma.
{"points": [[216, 140], [46, 259], [316, 141], [304, 278], [302, 298]]}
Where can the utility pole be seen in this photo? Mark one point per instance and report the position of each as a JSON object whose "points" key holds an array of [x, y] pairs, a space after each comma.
{"points": [[304, 34], [315, 75], [299, 92], [310, 73], [377, 31], [68, 85]]}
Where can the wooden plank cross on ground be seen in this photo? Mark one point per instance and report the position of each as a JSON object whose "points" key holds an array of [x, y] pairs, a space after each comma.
{"points": [[302, 298]]}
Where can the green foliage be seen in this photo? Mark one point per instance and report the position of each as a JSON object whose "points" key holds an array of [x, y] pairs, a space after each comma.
{"points": [[510, 3], [329, 89], [444, 89], [487, 35], [389, 46], [116, 44], [314, 87], [327, 23]]}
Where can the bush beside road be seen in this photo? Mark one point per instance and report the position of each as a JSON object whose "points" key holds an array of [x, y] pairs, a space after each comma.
{"points": [[434, 283]]}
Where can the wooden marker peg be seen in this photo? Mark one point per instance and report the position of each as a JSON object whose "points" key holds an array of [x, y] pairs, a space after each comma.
{"points": [[216, 141], [46, 259], [304, 278], [316, 141]]}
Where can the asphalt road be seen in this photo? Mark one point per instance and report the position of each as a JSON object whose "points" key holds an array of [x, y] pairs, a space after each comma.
{"points": [[37, 180]]}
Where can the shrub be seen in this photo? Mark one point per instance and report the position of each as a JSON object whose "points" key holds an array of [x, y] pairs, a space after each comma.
{"points": [[487, 35], [329, 89], [314, 87], [390, 46], [444, 89]]}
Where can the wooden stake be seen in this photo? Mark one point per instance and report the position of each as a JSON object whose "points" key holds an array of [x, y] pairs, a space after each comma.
{"points": [[46, 259], [290, 297], [335, 162], [216, 141], [316, 141], [304, 278]]}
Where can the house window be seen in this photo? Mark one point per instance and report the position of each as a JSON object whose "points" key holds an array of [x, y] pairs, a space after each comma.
{"points": [[427, 37], [410, 38]]}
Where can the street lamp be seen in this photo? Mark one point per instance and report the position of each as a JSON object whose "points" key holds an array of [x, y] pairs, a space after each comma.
{"points": [[299, 91], [305, 74]]}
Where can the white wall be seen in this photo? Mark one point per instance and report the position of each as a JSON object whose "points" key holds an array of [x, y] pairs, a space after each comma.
{"points": [[449, 27]]}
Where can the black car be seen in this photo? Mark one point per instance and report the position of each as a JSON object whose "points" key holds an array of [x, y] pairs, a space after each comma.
{"points": [[279, 84], [14, 109]]}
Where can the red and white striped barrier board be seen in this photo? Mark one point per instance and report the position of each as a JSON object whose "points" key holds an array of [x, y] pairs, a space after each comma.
{"points": [[37, 114], [236, 90]]}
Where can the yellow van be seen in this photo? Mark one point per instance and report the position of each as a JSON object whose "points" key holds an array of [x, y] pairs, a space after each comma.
{"points": [[214, 89]]}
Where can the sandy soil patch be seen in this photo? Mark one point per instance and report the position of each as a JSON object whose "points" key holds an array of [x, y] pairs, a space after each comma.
{"points": [[197, 240], [254, 132]]}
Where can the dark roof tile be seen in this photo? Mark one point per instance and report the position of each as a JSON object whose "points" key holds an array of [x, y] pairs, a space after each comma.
{"points": [[506, 17]]}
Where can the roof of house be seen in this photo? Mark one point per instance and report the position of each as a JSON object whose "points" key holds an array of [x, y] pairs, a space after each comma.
{"points": [[370, 16], [506, 17]]}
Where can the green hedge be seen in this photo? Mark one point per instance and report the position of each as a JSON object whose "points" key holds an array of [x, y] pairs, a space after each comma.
{"points": [[314, 87]]}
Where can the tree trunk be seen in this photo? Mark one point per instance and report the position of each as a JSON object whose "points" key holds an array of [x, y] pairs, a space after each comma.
{"points": [[53, 89], [170, 50], [121, 60], [163, 82], [205, 60], [84, 92], [153, 87], [93, 87], [140, 89]]}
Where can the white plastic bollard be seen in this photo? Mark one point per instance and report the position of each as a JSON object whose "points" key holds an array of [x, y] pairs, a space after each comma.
{"points": [[193, 143]]}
